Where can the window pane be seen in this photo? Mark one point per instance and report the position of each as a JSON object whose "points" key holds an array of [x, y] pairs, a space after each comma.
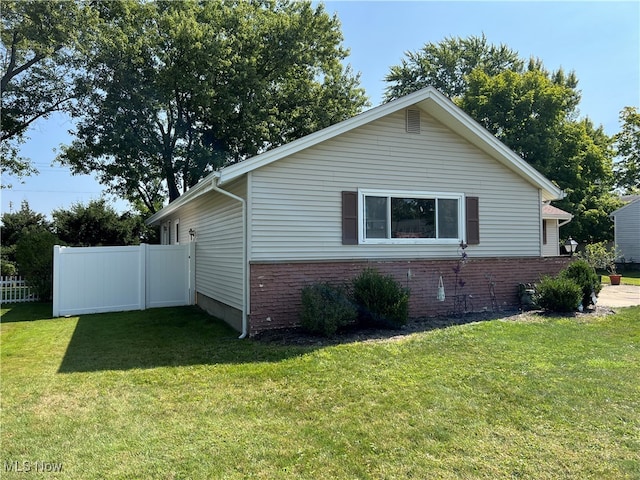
{"points": [[413, 218], [448, 218], [376, 217]]}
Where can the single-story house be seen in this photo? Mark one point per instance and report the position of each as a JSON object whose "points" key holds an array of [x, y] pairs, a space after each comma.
{"points": [[397, 188], [626, 224]]}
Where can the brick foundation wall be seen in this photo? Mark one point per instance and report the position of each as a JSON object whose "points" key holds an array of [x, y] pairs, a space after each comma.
{"points": [[275, 287]]}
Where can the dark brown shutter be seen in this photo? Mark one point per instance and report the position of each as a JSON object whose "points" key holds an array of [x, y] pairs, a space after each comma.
{"points": [[473, 220], [349, 218]]}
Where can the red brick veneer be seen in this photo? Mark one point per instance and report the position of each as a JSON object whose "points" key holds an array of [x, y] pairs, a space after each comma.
{"points": [[275, 287]]}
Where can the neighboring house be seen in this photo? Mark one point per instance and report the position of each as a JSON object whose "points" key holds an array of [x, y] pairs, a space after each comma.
{"points": [[552, 219], [396, 188], [626, 221]]}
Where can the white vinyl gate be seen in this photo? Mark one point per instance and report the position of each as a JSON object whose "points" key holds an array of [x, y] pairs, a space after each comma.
{"points": [[112, 279]]}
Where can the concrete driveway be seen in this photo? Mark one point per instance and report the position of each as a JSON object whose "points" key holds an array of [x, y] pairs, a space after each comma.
{"points": [[619, 296]]}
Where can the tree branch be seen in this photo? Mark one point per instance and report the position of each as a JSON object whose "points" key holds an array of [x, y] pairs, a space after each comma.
{"points": [[22, 126], [14, 72]]}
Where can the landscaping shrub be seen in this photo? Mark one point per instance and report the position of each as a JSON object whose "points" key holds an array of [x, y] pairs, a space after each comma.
{"points": [[382, 301], [558, 294], [326, 308], [585, 277]]}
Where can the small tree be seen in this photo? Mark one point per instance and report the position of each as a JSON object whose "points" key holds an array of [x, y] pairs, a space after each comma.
{"points": [[15, 225], [34, 253], [601, 257]]}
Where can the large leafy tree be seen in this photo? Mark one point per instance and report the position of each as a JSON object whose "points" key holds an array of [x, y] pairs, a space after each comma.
{"points": [[446, 65], [523, 109], [627, 141], [533, 111], [176, 89], [38, 54]]}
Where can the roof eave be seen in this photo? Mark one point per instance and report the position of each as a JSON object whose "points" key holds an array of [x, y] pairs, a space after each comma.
{"points": [[624, 207], [232, 172], [201, 187], [430, 99]]}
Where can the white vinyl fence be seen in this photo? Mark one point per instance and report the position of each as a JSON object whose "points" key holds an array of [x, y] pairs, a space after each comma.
{"points": [[112, 279], [15, 289]]}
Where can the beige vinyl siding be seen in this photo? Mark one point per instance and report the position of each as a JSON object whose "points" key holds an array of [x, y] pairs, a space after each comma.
{"points": [[217, 221], [627, 231], [552, 248], [296, 201]]}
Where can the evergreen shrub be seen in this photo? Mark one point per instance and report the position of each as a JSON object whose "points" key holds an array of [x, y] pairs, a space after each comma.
{"points": [[325, 309], [585, 276], [381, 300], [34, 254], [558, 294]]}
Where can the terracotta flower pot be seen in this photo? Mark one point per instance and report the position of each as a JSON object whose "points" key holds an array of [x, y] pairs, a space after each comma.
{"points": [[615, 279]]}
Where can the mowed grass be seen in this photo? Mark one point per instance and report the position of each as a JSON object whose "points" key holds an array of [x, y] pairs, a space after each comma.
{"points": [[172, 393], [628, 278]]}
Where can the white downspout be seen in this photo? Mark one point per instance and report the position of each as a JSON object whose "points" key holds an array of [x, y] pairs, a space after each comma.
{"points": [[245, 292]]}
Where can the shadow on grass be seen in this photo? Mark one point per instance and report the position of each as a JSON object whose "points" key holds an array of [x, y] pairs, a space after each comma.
{"points": [[26, 312], [160, 337]]}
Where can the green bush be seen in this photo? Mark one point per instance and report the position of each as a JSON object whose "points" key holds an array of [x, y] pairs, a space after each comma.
{"points": [[558, 294], [34, 254], [7, 269], [325, 309], [585, 277], [382, 301]]}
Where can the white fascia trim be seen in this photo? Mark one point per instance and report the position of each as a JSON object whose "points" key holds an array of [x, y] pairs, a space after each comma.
{"points": [[429, 99], [232, 172], [552, 216]]}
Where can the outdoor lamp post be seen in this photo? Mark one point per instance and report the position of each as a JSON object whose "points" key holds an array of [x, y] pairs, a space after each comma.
{"points": [[571, 245]]}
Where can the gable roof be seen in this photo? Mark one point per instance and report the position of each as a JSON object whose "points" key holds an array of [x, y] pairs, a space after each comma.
{"points": [[631, 204], [428, 99]]}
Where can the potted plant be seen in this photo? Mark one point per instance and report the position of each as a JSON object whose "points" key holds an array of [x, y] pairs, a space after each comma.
{"points": [[614, 277], [602, 257]]}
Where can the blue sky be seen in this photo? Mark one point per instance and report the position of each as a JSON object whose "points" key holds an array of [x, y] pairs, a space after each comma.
{"points": [[600, 41]]}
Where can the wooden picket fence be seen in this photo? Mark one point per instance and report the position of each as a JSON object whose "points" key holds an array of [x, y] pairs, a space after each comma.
{"points": [[15, 289]]}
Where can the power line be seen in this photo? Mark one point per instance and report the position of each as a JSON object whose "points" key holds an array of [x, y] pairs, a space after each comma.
{"points": [[49, 191]]}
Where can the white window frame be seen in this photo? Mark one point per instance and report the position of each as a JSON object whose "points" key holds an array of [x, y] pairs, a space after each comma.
{"points": [[166, 233], [362, 193], [176, 232]]}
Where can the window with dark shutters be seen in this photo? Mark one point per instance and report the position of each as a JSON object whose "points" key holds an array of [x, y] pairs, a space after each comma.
{"points": [[349, 218], [473, 220]]}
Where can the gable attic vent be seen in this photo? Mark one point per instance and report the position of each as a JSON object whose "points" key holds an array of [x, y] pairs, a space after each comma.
{"points": [[413, 120]]}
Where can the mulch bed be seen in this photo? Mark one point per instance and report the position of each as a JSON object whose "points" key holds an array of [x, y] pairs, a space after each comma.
{"points": [[297, 336]]}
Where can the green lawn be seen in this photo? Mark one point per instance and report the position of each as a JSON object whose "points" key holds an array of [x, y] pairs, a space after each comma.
{"points": [[628, 278], [172, 393]]}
